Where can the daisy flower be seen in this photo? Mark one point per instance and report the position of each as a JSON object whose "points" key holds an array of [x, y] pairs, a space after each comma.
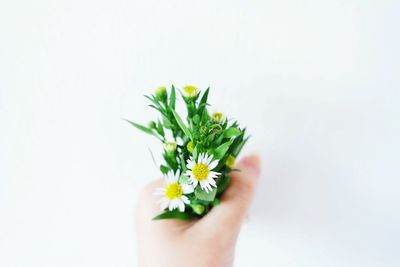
{"points": [[201, 171], [173, 193]]}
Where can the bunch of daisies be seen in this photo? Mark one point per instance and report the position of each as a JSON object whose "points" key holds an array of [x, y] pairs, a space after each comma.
{"points": [[199, 152]]}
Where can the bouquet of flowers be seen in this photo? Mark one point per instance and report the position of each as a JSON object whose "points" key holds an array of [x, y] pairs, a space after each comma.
{"points": [[199, 152]]}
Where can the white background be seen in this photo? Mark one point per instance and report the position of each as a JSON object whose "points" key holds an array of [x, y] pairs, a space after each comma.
{"points": [[316, 82]]}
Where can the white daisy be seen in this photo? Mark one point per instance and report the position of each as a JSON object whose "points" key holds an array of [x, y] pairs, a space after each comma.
{"points": [[201, 172], [173, 192]]}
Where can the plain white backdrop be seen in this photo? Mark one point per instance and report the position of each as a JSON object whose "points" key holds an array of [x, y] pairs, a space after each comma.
{"points": [[316, 82]]}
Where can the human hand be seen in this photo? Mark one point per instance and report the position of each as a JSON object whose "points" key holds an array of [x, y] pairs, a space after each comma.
{"points": [[206, 242]]}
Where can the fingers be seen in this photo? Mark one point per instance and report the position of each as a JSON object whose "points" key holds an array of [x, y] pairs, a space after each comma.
{"points": [[237, 199]]}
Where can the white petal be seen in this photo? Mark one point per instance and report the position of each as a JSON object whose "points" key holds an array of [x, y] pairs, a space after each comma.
{"points": [[164, 203], [203, 185], [187, 189], [176, 176], [185, 199], [176, 202], [181, 206], [200, 159], [211, 181], [208, 159], [172, 204], [214, 174], [190, 164], [194, 182], [213, 164], [174, 179]]}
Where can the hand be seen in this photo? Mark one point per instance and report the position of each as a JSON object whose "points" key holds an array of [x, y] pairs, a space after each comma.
{"points": [[205, 242]]}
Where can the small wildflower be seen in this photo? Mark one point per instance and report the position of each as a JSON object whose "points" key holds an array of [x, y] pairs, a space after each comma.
{"points": [[230, 161], [200, 172], [190, 91], [173, 193]]}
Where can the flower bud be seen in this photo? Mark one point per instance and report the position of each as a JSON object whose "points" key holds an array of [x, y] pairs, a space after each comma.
{"points": [[198, 208], [217, 117], [161, 93], [190, 91], [230, 161], [170, 147], [190, 147]]}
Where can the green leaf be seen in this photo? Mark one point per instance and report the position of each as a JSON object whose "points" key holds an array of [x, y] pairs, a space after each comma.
{"points": [[203, 195], [182, 161], [172, 98], [171, 161], [222, 149], [164, 169], [142, 128], [174, 214], [216, 202], [194, 153], [203, 101], [202, 108], [231, 132], [223, 183], [196, 119], [167, 122], [160, 129], [181, 124], [158, 109], [237, 150], [153, 100]]}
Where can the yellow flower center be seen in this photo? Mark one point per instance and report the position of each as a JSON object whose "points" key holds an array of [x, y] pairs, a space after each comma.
{"points": [[174, 190], [190, 90], [200, 171]]}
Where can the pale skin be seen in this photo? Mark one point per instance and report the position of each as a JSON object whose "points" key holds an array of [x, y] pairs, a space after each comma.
{"points": [[207, 242]]}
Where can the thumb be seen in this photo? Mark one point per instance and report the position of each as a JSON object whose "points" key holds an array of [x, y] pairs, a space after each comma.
{"points": [[237, 198]]}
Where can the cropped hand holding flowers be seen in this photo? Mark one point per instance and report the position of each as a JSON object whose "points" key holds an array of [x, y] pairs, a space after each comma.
{"points": [[199, 153]]}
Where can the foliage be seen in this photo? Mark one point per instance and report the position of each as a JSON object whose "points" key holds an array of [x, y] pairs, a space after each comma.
{"points": [[200, 132]]}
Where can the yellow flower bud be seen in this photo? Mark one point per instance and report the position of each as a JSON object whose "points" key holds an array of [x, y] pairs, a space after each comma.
{"points": [[190, 147], [217, 116], [230, 161], [190, 91]]}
